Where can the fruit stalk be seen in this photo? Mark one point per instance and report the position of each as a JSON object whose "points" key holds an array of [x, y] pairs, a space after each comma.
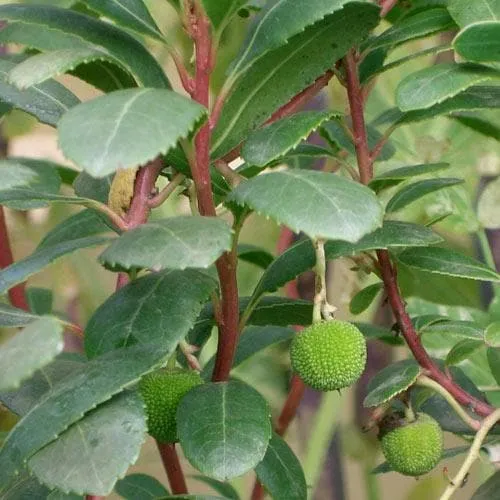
{"points": [[365, 164]]}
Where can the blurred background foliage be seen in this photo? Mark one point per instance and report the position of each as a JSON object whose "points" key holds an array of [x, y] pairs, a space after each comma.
{"points": [[337, 456]]}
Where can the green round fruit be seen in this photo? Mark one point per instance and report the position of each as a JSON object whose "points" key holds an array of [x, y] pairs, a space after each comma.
{"points": [[412, 448], [162, 392], [329, 355]]}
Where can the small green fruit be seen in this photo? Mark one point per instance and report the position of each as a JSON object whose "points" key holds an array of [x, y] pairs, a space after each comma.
{"points": [[412, 448], [330, 355], [162, 392]]}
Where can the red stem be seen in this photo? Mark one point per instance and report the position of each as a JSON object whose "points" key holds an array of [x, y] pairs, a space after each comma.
{"points": [[387, 269], [173, 468], [17, 295], [386, 6], [291, 405]]}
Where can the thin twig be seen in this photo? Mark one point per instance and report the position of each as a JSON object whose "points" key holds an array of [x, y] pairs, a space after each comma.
{"points": [[488, 423], [163, 195], [232, 177]]}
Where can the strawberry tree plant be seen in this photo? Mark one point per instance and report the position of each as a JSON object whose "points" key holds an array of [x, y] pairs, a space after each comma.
{"points": [[232, 139]]}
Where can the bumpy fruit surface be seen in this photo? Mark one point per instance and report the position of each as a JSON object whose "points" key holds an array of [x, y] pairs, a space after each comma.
{"points": [[330, 355], [413, 448], [162, 392]]}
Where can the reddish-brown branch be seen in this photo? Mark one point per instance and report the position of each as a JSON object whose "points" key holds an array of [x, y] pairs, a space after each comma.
{"points": [[173, 468], [386, 6], [93, 497], [358, 118], [290, 107], [387, 270], [17, 295], [291, 405]]}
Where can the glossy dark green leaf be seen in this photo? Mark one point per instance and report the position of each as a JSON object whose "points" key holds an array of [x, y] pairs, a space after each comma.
{"points": [[94, 452], [158, 309], [224, 428], [337, 135], [47, 101], [391, 381], [322, 205], [174, 243], [255, 255], [131, 14], [398, 175], [280, 472], [300, 257], [465, 12], [278, 22], [364, 298], [419, 25], [225, 489], [371, 331], [140, 487], [12, 316], [488, 489], [220, 12], [38, 175], [22, 400], [479, 42], [493, 355], [101, 135], [94, 383], [261, 90], [273, 141], [460, 329], [463, 350], [104, 76], [433, 85], [40, 300], [477, 124], [28, 351], [57, 29], [413, 192], [448, 262], [253, 340], [89, 187]]}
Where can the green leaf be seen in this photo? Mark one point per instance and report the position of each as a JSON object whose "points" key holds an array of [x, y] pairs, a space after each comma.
{"points": [[56, 28], [478, 124], [281, 473], [89, 187], [224, 428], [463, 350], [93, 453], [25, 486], [225, 489], [492, 334], [221, 11], [479, 42], [430, 86], [101, 135], [465, 12], [487, 208], [448, 262], [22, 400], [43, 256], [131, 14], [261, 90], [413, 192], [474, 98], [493, 355], [300, 257], [158, 309], [488, 489], [12, 316], [419, 25], [279, 21], [253, 340], [385, 335], [175, 243], [28, 351], [105, 76], [398, 175], [140, 487], [273, 141], [38, 175], [363, 299], [40, 300], [94, 383], [322, 205], [47, 101], [254, 255], [449, 329], [390, 382], [336, 135]]}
